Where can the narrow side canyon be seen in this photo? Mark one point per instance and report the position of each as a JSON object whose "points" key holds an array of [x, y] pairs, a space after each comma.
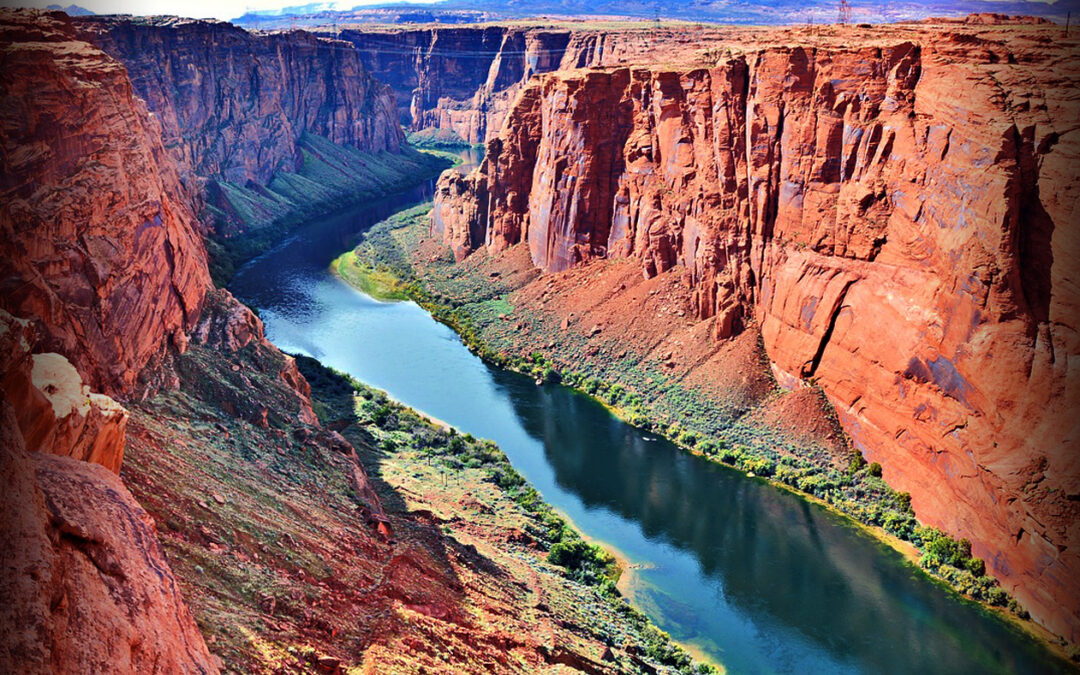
{"points": [[909, 250], [464, 80]]}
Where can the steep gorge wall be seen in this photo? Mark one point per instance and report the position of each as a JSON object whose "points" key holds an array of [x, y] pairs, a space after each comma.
{"points": [[460, 79], [234, 104], [100, 244], [911, 251], [101, 256], [87, 586], [466, 79], [104, 282]]}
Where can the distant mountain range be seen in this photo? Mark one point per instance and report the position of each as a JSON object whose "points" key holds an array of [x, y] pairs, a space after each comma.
{"points": [[72, 10], [716, 11]]}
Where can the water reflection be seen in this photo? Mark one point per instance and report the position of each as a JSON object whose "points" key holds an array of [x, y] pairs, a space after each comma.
{"points": [[758, 579]]}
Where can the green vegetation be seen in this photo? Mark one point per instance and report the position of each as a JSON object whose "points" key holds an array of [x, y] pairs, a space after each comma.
{"points": [[245, 495], [378, 277], [951, 560], [588, 563], [433, 137], [394, 427], [377, 283], [477, 307], [249, 219]]}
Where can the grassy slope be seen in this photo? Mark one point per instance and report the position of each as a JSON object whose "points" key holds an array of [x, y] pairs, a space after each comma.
{"points": [[277, 547], [249, 219], [415, 455], [478, 306], [434, 137]]}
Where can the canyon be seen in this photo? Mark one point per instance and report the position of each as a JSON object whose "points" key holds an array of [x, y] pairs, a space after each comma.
{"points": [[463, 81], [235, 104], [183, 496], [172, 499], [910, 252], [264, 130]]}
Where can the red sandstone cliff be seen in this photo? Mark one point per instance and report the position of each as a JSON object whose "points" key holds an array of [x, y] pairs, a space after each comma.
{"points": [[86, 586], [460, 79], [910, 250], [234, 104], [99, 243], [100, 254], [465, 79]]}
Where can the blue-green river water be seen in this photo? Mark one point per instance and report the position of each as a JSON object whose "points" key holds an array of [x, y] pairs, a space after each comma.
{"points": [[754, 578]]}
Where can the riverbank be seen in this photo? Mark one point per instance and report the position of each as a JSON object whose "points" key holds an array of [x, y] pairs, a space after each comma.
{"points": [[504, 311], [468, 487], [250, 219], [291, 558]]}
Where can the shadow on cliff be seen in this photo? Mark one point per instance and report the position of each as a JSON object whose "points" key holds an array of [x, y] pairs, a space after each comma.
{"points": [[1035, 228], [419, 543]]}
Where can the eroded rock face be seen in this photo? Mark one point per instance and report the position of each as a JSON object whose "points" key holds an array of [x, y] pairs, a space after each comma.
{"points": [[465, 80], [912, 251], [86, 586], [234, 104], [461, 79], [228, 326], [99, 242], [75, 422], [55, 411], [460, 222], [101, 251]]}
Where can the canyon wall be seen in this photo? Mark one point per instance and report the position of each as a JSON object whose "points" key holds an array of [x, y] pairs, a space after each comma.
{"points": [[460, 79], [104, 283], [101, 255], [234, 104], [465, 80], [87, 586], [100, 245], [910, 250]]}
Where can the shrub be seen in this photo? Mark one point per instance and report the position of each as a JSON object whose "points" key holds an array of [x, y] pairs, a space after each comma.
{"points": [[875, 470], [730, 456], [456, 444], [760, 466], [577, 555]]}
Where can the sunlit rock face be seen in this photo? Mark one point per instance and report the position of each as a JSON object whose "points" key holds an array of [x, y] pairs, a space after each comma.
{"points": [[911, 250], [87, 586], [91, 588], [100, 245]]}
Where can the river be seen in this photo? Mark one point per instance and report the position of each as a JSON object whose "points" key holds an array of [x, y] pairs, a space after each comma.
{"points": [[750, 576]]}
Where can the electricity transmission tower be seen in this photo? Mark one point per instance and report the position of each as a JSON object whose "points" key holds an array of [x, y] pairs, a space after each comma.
{"points": [[844, 15]]}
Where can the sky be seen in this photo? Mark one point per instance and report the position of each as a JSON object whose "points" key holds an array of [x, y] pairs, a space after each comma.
{"points": [[200, 9]]}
